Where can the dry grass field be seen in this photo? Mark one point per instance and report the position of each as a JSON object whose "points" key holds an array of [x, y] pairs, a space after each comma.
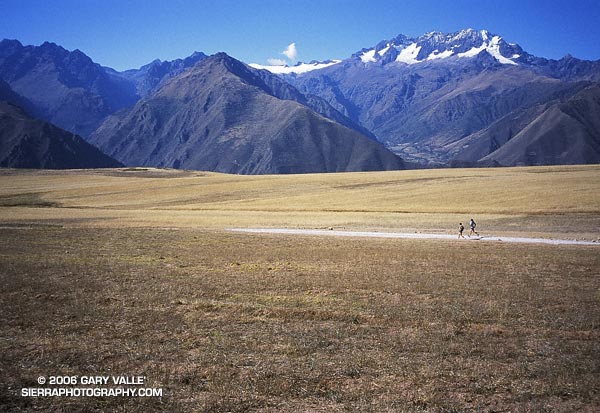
{"points": [[130, 272], [545, 201]]}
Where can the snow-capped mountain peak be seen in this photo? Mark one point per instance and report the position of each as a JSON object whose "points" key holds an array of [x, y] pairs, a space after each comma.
{"points": [[296, 69], [435, 45]]}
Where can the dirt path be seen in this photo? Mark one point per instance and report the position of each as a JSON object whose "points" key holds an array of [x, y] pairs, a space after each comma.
{"points": [[333, 233]]}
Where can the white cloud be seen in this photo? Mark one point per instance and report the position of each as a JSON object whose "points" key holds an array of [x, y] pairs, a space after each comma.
{"points": [[276, 62], [291, 52]]}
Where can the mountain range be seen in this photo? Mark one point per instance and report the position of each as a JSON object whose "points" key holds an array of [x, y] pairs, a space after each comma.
{"points": [[66, 88], [442, 99], [26, 142], [224, 116], [434, 98]]}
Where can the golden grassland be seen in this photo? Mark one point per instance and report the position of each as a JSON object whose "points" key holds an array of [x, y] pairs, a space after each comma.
{"points": [[544, 201], [129, 272]]}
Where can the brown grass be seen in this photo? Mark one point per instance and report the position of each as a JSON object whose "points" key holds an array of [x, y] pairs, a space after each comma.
{"points": [[129, 272], [233, 322]]}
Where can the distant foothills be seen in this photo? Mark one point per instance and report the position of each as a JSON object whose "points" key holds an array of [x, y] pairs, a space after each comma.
{"points": [[464, 99]]}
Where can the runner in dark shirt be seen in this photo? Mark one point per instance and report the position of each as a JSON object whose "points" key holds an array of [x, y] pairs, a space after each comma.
{"points": [[461, 228], [472, 224]]}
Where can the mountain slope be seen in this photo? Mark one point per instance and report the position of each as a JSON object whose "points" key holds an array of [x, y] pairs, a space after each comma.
{"points": [[149, 77], [565, 133], [277, 87], [10, 96], [67, 88], [221, 116], [29, 143], [472, 148]]}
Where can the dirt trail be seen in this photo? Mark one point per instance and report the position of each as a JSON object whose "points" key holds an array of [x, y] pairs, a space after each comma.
{"points": [[334, 233]]}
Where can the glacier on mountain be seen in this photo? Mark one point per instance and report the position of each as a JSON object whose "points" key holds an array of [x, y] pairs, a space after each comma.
{"points": [[297, 69], [430, 47], [409, 54]]}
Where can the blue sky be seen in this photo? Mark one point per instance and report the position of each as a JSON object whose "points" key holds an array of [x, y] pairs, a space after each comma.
{"points": [[127, 34]]}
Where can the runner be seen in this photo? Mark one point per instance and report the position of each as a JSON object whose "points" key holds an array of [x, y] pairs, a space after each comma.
{"points": [[472, 224], [461, 228]]}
